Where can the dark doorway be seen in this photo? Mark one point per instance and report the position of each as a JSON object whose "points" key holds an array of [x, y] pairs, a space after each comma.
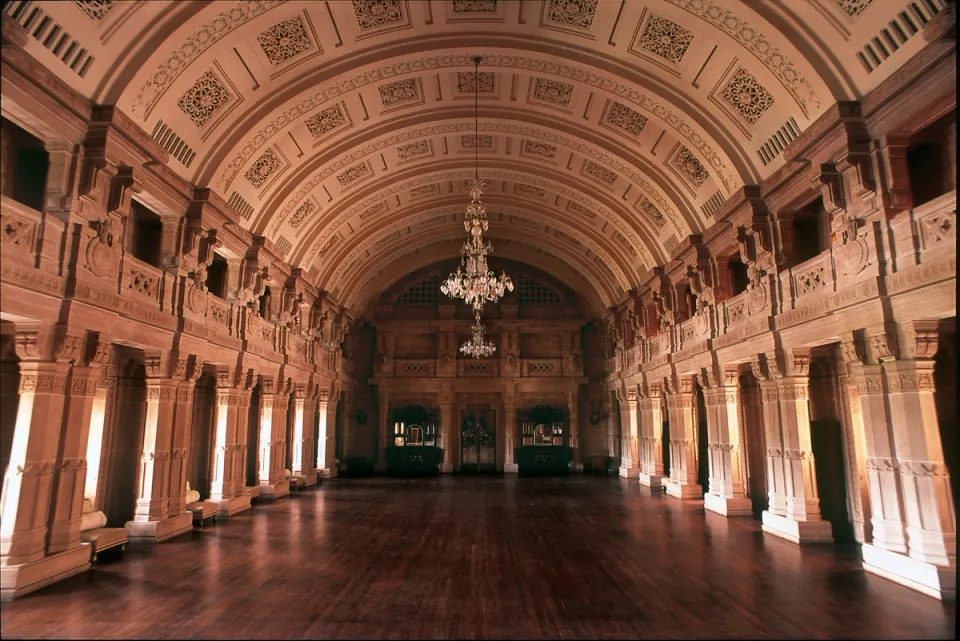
{"points": [[703, 443], [126, 443], [945, 397], [478, 440], [203, 434], [754, 446], [826, 438], [665, 438]]}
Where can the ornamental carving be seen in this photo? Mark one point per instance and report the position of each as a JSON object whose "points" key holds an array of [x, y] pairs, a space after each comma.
{"points": [[540, 149], [353, 174], [523, 188], [909, 382], [745, 94], [374, 14], [198, 42], [398, 93], [96, 10], [413, 149], [689, 166], [552, 92], [755, 41], [468, 82], [100, 254], [204, 98], [923, 468], [425, 190], [852, 257], [304, 210], [628, 93], [263, 168], [600, 173], [370, 212], [43, 383], [473, 141], [325, 121], [474, 6], [284, 40], [332, 242], [572, 13], [665, 38], [854, 8], [649, 210], [580, 209], [625, 119]]}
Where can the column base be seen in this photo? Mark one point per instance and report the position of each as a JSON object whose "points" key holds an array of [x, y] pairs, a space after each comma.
{"points": [[309, 478], [275, 491], [159, 531], [726, 506], [937, 581], [229, 507], [653, 481], [629, 472], [680, 491], [17, 580], [508, 468], [801, 532]]}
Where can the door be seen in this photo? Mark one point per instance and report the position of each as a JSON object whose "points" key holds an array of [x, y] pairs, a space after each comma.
{"points": [[478, 440]]}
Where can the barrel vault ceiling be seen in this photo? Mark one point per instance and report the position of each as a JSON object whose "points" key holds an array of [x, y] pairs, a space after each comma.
{"points": [[344, 132]]}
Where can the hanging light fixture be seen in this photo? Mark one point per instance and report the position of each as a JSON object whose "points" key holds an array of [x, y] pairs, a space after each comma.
{"points": [[473, 281], [477, 346]]}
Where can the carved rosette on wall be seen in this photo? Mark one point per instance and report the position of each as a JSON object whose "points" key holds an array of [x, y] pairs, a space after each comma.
{"points": [[101, 255], [853, 257], [196, 299]]}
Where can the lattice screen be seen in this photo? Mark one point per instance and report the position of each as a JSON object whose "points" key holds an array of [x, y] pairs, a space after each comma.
{"points": [[531, 291], [423, 293]]}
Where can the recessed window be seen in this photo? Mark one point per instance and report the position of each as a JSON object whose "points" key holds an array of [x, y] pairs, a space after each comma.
{"points": [[146, 238], [265, 304], [811, 232], [738, 275], [217, 276], [24, 164], [931, 160]]}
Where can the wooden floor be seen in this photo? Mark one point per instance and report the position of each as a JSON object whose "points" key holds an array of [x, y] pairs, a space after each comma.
{"points": [[480, 557]]}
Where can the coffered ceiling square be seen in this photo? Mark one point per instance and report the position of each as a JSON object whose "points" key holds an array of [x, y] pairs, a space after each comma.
{"points": [[354, 174], [747, 96], [551, 92], [374, 210], [285, 40], [623, 119], [327, 120], [377, 16], [529, 190], [599, 173], [538, 149], [414, 149], [472, 141], [577, 208], [302, 212], [666, 40], [263, 168], [204, 98], [96, 10], [424, 190], [467, 81], [573, 16], [649, 211], [401, 93], [688, 166]]}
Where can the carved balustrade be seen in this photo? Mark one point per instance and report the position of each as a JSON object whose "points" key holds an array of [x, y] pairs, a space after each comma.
{"points": [[539, 367], [810, 279]]}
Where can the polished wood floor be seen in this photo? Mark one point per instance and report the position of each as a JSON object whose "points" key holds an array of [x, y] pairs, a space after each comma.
{"points": [[480, 557]]}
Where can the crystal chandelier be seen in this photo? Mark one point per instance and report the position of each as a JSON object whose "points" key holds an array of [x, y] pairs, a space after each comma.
{"points": [[473, 281], [476, 346]]}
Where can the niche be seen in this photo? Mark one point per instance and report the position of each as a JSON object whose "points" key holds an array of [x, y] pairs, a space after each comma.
{"points": [[126, 444], [751, 418], [217, 276], [810, 231], [931, 160], [24, 163], [145, 235], [252, 463], [738, 275], [202, 435]]}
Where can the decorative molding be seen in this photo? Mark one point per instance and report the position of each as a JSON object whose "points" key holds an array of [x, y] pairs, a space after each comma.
{"points": [[744, 93], [263, 168], [204, 98], [284, 40], [665, 38]]}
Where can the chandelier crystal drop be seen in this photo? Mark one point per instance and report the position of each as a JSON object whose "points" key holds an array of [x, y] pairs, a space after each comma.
{"points": [[474, 282], [477, 346]]}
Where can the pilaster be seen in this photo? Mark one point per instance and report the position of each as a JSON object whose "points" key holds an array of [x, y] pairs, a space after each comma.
{"points": [[628, 434], [681, 399], [232, 405], [273, 438], [726, 493], [651, 424]]}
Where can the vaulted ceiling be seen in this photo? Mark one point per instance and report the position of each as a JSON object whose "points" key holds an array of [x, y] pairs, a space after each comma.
{"points": [[343, 131]]}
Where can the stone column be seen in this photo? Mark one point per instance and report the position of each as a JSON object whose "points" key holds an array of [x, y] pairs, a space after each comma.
{"points": [[70, 473], [883, 476], [682, 483], [510, 425], [651, 425], [151, 520], [326, 444], [385, 429], [726, 493], [770, 404], [612, 432], [182, 428], [323, 405], [28, 479], [233, 386], [802, 522], [628, 434], [576, 464], [273, 438], [303, 454], [926, 495], [446, 430]]}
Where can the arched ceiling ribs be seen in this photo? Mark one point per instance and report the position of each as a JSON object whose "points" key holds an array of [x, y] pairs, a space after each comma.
{"points": [[665, 191], [519, 175], [525, 219], [362, 296]]}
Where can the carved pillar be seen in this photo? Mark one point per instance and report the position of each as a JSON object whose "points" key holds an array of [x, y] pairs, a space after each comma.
{"points": [[770, 404], [323, 404], [682, 483], [510, 425], [233, 388], [182, 427], [801, 522], [28, 482], [726, 493], [927, 495], [72, 462], [651, 424], [382, 443], [326, 450], [855, 446], [576, 465], [305, 409], [629, 454], [612, 440], [151, 519], [916, 461], [882, 474], [446, 429], [273, 439]]}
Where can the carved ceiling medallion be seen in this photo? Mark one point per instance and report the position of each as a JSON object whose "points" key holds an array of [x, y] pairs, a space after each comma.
{"points": [[689, 166], [324, 122], [398, 93], [572, 13], [626, 119], [304, 210], [552, 92], [284, 40], [474, 6], [204, 98], [374, 14], [96, 10], [263, 168], [467, 80], [665, 39], [745, 94]]}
